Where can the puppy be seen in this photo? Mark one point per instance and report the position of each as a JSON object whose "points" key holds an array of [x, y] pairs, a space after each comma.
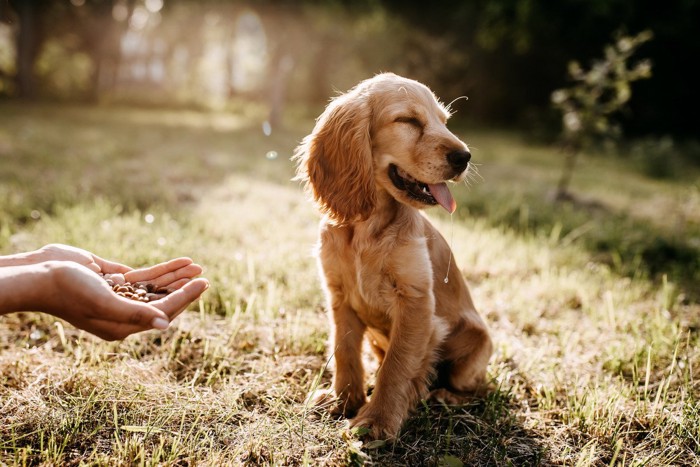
{"points": [[377, 155]]}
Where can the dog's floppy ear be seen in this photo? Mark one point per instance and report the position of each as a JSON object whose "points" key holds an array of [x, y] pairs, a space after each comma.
{"points": [[335, 160]]}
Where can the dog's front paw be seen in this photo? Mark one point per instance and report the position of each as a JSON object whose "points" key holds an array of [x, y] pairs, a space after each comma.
{"points": [[381, 423], [326, 399]]}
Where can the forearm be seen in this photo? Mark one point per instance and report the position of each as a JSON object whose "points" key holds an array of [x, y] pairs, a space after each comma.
{"points": [[21, 259], [22, 287]]}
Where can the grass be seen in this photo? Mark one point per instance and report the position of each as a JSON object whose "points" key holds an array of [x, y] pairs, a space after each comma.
{"points": [[596, 345]]}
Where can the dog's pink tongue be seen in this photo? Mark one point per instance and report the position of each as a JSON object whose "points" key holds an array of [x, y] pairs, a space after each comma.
{"points": [[443, 196]]}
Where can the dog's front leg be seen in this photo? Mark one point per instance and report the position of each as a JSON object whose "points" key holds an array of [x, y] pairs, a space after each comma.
{"points": [[345, 346], [348, 379], [402, 378]]}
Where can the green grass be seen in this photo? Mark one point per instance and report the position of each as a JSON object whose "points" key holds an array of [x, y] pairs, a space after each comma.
{"points": [[596, 344]]}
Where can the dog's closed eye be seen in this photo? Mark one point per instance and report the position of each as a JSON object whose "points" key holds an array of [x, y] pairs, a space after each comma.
{"points": [[410, 120]]}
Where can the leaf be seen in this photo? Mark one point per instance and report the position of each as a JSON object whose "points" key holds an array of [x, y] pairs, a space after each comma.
{"points": [[376, 444], [449, 460], [360, 431]]}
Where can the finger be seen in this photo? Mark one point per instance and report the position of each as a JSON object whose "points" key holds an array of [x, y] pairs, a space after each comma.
{"points": [[93, 267], [177, 284], [183, 308], [153, 272], [110, 266], [125, 311], [110, 331], [187, 272], [177, 302]]}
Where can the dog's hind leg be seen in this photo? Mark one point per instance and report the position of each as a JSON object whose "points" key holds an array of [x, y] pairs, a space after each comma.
{"points": [[467, 351]]}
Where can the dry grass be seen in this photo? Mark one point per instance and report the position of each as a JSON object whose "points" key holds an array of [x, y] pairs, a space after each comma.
{"points": [[591, 367]]}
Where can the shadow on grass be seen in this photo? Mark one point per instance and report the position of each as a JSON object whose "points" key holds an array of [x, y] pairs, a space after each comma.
{"points": [[486, 432]]}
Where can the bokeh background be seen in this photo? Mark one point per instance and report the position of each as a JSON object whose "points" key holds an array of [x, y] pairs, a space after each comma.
{"points": [[507, 56]]}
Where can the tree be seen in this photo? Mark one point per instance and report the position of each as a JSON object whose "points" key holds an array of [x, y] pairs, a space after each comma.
{"points": [[596, 95], [30, 37]]}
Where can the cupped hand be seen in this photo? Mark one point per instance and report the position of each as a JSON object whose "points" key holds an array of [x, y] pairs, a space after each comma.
{"points": [[84, 299]]}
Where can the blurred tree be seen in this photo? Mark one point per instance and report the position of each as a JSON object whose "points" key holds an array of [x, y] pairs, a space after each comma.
{"points": [[100, 32], [596, 95], [86, 26], [30, 37], [506, 55], [283, 22], [515, 51]]}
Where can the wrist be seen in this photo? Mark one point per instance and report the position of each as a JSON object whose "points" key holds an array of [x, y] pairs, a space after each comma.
{"points": [[25, 287]]}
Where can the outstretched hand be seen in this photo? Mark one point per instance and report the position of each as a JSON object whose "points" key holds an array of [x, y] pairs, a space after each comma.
{"points": [[65, 282], [84, 299]]}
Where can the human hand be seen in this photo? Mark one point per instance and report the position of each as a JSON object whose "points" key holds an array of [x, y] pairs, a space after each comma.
{"points": [[63, 280], [59, 252], [78, 295]]}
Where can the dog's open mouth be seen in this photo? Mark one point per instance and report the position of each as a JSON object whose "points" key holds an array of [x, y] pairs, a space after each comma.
{"points": [[426, 193]]}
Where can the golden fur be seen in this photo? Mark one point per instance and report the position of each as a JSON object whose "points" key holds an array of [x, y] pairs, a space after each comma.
{"points": [[382, 263]]}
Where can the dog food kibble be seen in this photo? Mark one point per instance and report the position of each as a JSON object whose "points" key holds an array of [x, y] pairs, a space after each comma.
{"points": [[138, 291], [117, 279]]}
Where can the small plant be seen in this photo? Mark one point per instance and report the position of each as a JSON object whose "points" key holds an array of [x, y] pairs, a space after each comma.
{"points": [[597, 94]]}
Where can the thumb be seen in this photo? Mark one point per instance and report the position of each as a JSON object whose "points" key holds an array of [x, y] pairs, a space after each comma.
{"points": [[140, 314], [173, 304]]}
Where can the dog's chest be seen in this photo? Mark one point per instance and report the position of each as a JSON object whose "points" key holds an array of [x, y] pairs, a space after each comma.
{"points": [[365, 284], [370, 306], [368, 270], [368, 288]]}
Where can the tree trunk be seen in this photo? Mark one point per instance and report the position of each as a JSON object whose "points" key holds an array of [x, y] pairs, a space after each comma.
{"points": [[29, 39], [571, 152]]}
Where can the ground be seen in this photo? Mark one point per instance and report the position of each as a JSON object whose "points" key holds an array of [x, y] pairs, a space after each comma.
{"points": [[595, 350]]}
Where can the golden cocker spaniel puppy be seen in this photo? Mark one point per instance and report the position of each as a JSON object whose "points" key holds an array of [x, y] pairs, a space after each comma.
{"points": [[377, 155]]}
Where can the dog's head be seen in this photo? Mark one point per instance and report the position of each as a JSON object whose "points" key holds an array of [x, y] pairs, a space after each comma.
{"points": [[387, 133]]}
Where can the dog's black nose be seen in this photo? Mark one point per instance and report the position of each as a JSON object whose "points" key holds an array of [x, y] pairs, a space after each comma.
{"points": [[459, 160]]}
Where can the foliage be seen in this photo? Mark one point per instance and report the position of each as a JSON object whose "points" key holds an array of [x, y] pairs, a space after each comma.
{"points": [[514, 51], [600, 92], [596, 95], [506, 55]]}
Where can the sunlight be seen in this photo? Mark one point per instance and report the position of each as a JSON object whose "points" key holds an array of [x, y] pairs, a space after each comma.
{"points": [[139, 18], [154, 6], [120, 11], [7, 47], [250, 52], [231, 57]]}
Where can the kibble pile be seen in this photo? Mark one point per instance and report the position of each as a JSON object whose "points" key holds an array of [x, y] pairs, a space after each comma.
{"points": [[139, 291]]}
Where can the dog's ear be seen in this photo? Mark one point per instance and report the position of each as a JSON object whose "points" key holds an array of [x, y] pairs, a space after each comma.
{"points": [[335, 160]]}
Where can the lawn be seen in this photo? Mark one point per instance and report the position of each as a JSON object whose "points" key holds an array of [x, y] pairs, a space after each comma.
{"points": [[593, 307]]}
